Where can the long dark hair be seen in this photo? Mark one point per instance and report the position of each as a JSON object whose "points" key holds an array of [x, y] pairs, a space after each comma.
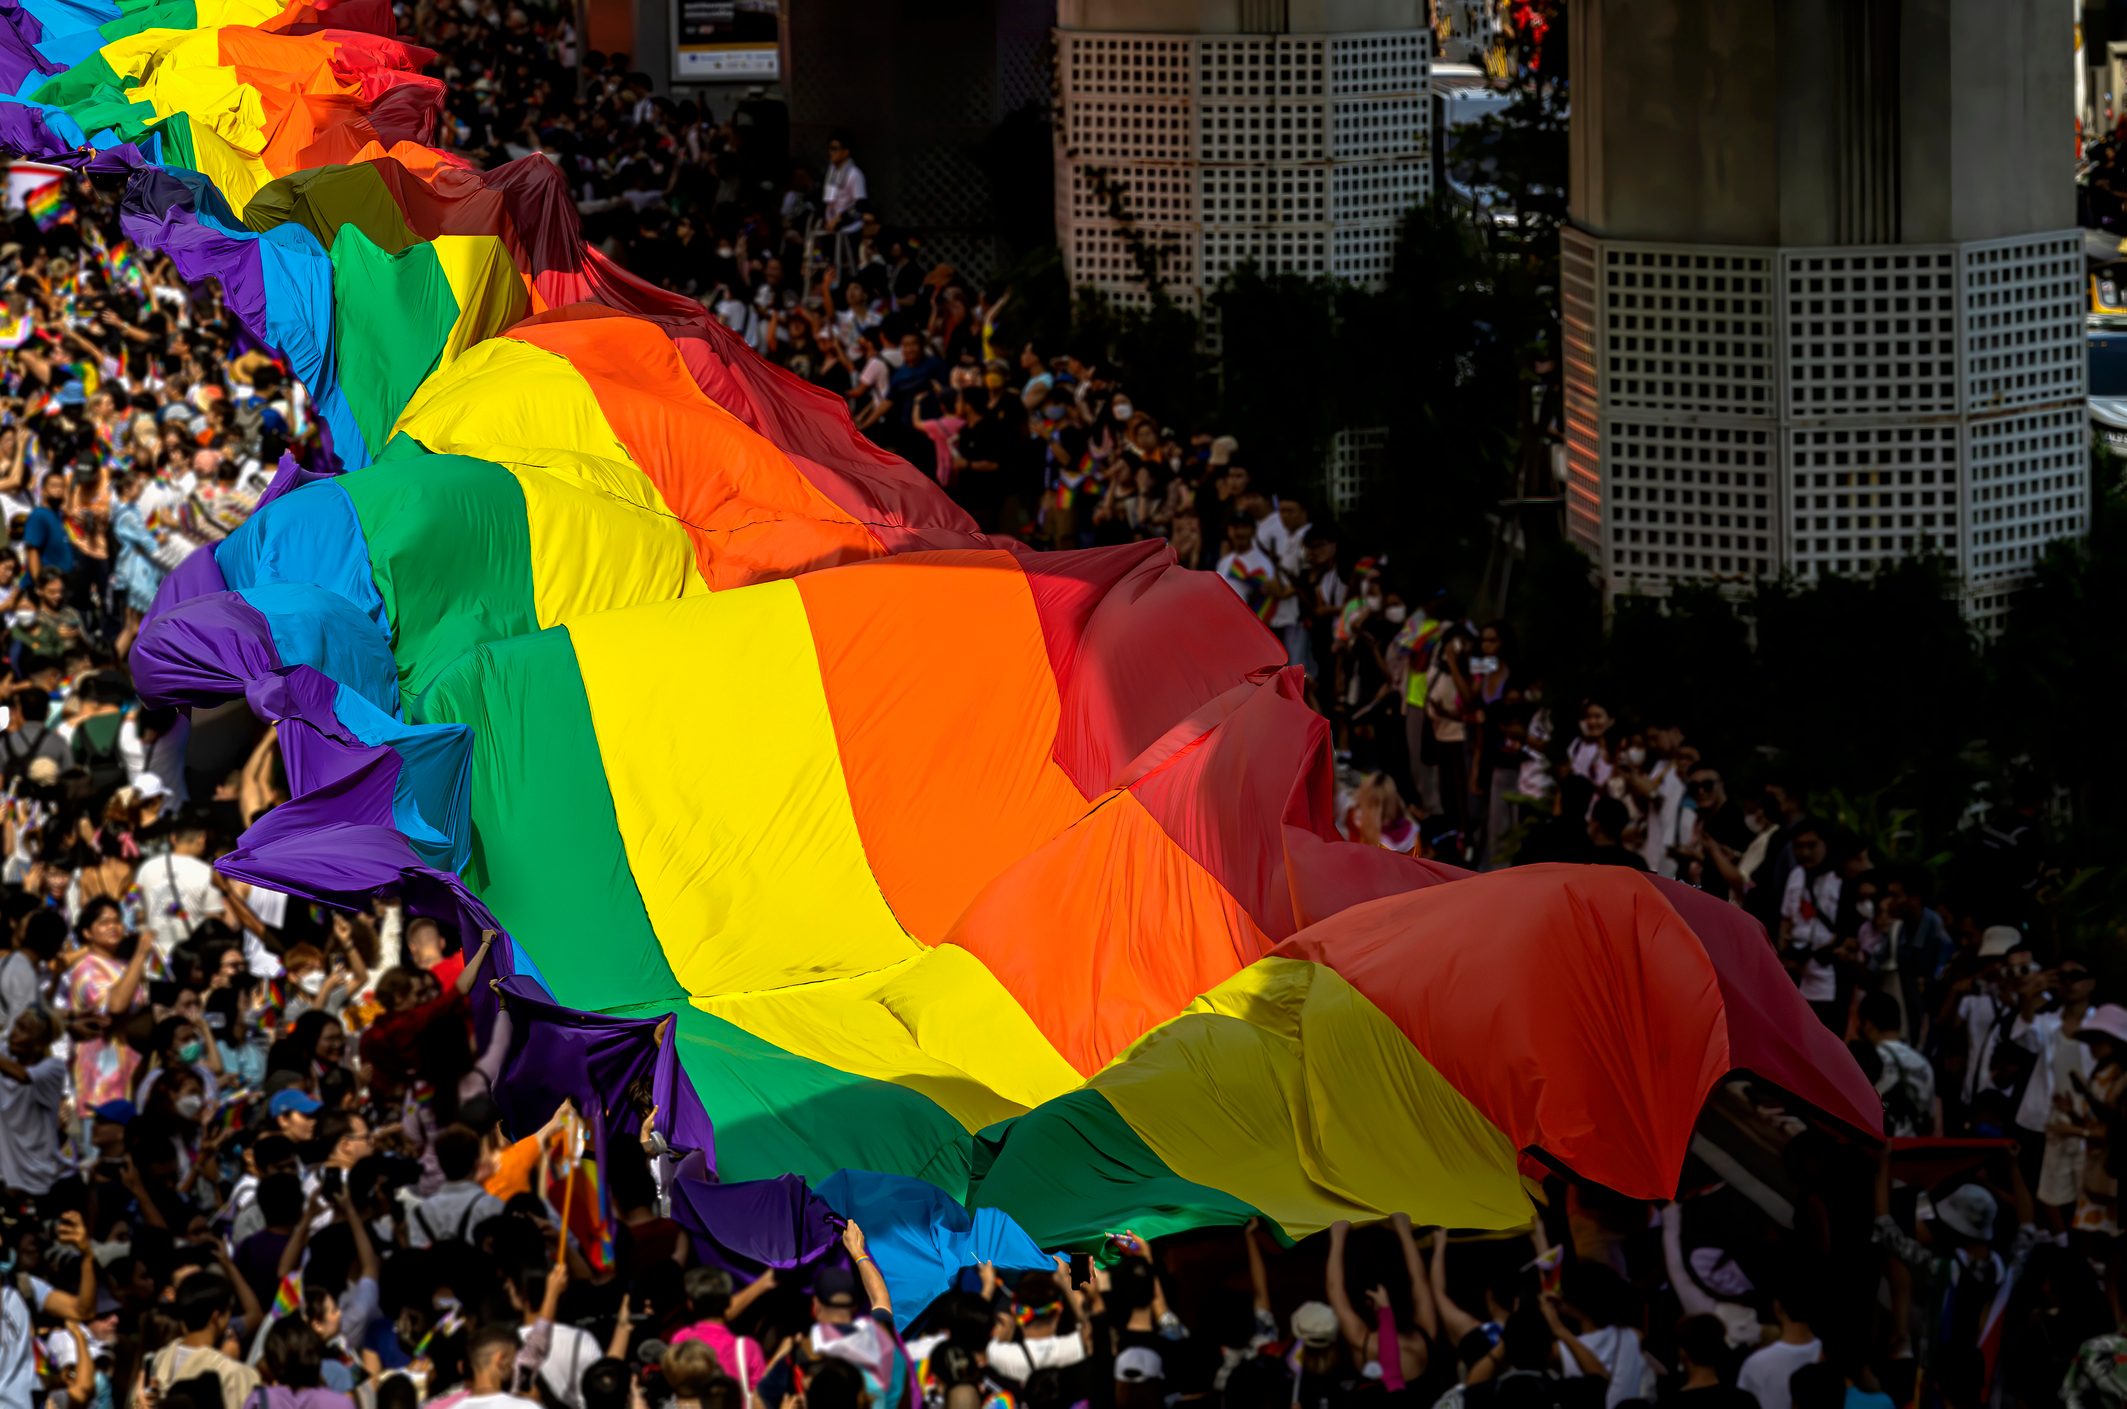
{"points": [[294, 1354]]}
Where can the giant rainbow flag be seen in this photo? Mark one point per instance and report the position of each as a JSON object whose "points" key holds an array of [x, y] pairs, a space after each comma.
{"points": [[1012, 872]]}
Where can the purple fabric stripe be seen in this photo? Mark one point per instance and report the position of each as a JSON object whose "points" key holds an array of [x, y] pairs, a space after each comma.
{"points": [[203, 649], [25, 133], [19, 32], [589, 1059], [289, 476], [196, 575], [201, 254], [757, 1223]]}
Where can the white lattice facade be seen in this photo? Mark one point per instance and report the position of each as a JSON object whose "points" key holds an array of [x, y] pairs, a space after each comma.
{"points": [[1736, 413], [1182, 157]]}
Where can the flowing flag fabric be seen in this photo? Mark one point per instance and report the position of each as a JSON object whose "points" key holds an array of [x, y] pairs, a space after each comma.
{"points": [[870, 842], [922, 1239]]}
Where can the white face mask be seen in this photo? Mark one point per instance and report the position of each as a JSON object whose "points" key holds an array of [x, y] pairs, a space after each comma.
{"points": [[1397, 615], [311, 983], [1121, 410], [1633, 758], [1866, 909], [1757, 822], [190, 1106]]}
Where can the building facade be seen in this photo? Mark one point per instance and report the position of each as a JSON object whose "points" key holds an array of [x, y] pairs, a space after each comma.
{"points": [[1196, 136], [1822, 292]]}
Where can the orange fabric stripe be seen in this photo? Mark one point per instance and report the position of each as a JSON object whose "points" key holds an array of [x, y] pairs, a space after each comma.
{"points": [[765, 519], [1096, 964], [907, 686]]}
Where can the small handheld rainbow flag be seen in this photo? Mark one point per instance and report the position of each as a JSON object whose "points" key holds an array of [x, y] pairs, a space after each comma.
{"points": [[48, 205], [451, 1321], [588, 1215], [15, 331], [1549, 1268], [288, 1297]]}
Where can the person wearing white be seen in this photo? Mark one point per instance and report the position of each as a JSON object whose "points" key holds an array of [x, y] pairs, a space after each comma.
{"points": [[845, 187], [178, 893], [1767, 1372]]}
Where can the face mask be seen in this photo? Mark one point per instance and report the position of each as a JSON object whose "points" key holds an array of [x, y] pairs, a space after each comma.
{"points": [[1633, 758], [311, 983], [1866, 909], [190, 1052], [723, 251], [1757, 822], [1397, 615], [190, 1106], [1372, 600], [1052, 413], [1120, 410]]}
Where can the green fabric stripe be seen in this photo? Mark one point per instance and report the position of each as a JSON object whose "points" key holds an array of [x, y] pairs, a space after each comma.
{"points": [[77, 83], [444, 598], [329, 198], [392, 313], [177, 148], [546, 851], [135, 16], [775, 1112], [1073, 1170]]}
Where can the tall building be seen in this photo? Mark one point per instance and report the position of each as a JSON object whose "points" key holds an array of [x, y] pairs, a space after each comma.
{"points": [[1195, 136], [1823, 291]]}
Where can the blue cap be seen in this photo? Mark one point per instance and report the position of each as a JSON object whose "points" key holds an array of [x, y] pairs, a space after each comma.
{"points": [[291, 1100], [72, 394], [117, 1112]]}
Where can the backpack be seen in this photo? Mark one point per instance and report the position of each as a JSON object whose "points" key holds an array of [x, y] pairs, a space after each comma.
{"points": [[105, 765]]}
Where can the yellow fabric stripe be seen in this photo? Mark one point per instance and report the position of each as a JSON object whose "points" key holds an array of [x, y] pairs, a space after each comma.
{"points": [[1322, 1108], [937, 1023], [484, 281], [728, 791], [212, 14], [591, 552], [518, 405]]}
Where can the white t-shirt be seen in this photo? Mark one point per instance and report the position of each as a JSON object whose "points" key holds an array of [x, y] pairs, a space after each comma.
{"points": [[1766, 1373], [1249, 574], [18, 1355], [1019, 1359], [1813, 913], [496, 1401], [1618, 1347], [169, 883], [1665, 808], [29, 1113], [569, 1354]]}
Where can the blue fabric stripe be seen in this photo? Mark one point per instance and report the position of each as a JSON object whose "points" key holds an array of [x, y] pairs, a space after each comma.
{"points": [[429, 802], [298, 277], [317, 627], [309, 535]]}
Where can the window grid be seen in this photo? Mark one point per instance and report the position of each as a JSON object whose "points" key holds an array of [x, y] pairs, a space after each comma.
{"points": [[1689, 331], [2030, 486], [1861, 497], [1871, 331], [1690, 502], [1582, 399], [2023, 322], [1298, 153]]}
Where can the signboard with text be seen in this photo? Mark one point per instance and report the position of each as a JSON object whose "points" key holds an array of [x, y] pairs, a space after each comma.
{"points": [[725, 41]]}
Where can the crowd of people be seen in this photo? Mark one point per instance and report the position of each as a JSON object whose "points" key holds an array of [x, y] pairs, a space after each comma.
{"points": [[249, 1153]]}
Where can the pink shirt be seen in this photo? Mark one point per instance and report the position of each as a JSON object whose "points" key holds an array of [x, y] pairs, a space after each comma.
{"points": [[104, 1067], [729, 1348]]}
